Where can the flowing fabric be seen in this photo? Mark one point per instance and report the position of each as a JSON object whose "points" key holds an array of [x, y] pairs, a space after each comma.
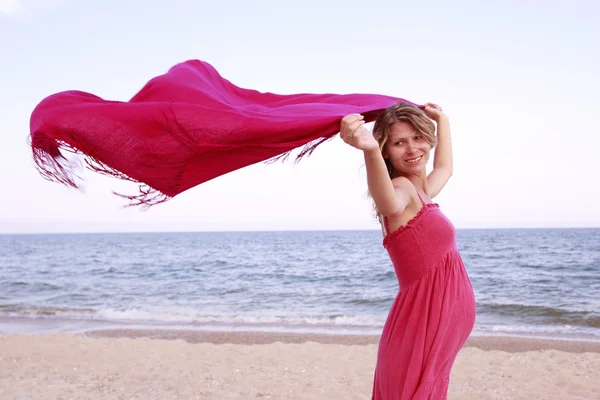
{"points": [[183, 128], [432, 315]]}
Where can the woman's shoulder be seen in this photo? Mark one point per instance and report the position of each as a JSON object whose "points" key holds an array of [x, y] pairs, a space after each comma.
{"points": [[402, 182], [405, 185]]}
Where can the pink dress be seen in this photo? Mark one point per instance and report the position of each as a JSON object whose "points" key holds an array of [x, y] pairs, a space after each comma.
{"points": [[432, 315]]}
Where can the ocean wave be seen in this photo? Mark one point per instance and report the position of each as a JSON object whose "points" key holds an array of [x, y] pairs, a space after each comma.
{"points": [[378, 301], [542, 314], [548, 331], [24, 310], [190, 317]]}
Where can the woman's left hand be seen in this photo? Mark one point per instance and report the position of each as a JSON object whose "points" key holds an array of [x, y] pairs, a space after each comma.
{"points": [[433, 111]]}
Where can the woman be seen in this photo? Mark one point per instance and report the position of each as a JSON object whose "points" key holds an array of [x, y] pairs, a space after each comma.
{"points": [[434, 311]]}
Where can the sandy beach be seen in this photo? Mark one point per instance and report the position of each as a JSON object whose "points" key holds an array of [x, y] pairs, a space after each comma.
{"points": [[129, 364]]}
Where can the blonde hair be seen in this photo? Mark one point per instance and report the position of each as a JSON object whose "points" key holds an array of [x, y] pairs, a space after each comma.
{"points": [[397, 113]]}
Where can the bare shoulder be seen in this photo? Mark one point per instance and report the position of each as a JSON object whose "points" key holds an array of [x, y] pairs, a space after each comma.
{"points": [[407, 195], [405, 191], [402, 182]]}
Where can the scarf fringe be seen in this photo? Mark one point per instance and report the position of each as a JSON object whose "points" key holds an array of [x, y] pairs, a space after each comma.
{"points": [[55, 167], [146, 198], [306, 151], [50, 162]]}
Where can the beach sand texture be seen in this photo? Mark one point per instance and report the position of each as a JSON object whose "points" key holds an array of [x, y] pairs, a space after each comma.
{"points": [[195, 365]]}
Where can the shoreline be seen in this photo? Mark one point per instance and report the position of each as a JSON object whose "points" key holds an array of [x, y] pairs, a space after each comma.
{"points": [[510, 341], [504, 343], [510, 344]]}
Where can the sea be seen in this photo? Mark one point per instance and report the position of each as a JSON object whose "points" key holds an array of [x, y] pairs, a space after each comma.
{"points": [[527, 282]]}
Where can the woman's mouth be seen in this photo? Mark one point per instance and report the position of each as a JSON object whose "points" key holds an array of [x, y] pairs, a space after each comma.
{"points": [[414, 160]]}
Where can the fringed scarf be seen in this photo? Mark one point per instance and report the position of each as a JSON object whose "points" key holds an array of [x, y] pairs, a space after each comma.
{"points": [[184, 128]]}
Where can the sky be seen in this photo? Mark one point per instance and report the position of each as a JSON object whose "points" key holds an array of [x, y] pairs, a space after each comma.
{"points": [[518, 79]]}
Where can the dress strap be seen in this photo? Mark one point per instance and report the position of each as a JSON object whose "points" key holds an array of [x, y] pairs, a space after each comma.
{"points": [[420, 198]]}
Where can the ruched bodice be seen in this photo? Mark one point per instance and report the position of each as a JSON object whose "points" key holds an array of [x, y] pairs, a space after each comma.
{"points": [[419, 246]]}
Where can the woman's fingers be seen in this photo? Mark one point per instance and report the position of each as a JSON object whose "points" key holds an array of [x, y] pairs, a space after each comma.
{"points": [[433, 105], [351, 118], [355, 126], [350, 123]]}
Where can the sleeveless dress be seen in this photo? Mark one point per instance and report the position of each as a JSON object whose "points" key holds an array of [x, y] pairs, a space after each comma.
{"points": [[432, 315]]}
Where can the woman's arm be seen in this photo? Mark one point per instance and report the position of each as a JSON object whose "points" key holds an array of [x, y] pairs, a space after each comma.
{"points": [[390, 197], [442, 159]]}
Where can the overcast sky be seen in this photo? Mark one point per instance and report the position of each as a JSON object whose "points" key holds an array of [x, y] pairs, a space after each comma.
{"points": [[519, 80]]}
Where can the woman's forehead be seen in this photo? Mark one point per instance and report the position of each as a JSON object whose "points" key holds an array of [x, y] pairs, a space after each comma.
{"points": [[402, 129]]}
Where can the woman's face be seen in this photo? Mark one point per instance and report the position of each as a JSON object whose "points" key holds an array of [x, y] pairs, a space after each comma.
{"points": [[406, 149]]}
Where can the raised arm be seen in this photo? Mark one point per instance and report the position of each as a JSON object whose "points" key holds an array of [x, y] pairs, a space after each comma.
{"points": [[390, 197], [442, 159]]}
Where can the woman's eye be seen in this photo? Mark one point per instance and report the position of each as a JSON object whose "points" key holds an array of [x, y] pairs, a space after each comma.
{"points": [[418, 137]]}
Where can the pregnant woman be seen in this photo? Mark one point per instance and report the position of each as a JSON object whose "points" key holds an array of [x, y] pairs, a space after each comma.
{"points": [[434, 311]]}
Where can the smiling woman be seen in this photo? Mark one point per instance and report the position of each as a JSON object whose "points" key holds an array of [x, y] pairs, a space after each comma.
{"points": [[434, 312], [413, 135]]}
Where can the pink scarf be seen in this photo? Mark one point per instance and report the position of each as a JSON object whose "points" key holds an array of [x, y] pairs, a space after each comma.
{"points": [[184, 128]]}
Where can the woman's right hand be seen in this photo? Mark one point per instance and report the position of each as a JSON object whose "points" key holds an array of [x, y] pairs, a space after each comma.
{"points": [[355, 134]]}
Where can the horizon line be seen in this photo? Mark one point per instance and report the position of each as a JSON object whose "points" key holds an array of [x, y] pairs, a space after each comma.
{"points": [[110, 232]]}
